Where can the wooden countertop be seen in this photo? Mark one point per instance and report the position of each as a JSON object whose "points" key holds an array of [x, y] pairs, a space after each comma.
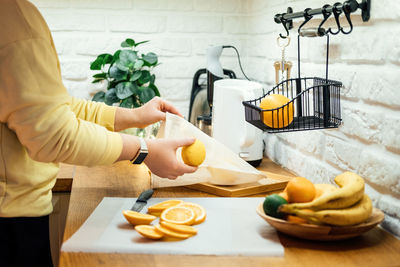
{"points": [[90, 185], [64, 178]]}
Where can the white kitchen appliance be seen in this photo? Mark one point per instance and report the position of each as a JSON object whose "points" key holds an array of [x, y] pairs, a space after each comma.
{"points": [[228, 120]]}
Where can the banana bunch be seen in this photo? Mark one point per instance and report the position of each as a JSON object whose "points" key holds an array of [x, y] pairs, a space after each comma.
{"points": [[346, 205]]}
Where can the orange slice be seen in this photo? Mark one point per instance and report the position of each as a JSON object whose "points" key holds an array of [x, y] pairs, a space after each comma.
{"points": [[198, 210], [160, 207], [184, 229], [167, 232], [149, 231], [178, 215], [136, 218]]}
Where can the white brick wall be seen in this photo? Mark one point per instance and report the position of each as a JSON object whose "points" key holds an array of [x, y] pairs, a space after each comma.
{"points": [[179, 32], [367, 62]]}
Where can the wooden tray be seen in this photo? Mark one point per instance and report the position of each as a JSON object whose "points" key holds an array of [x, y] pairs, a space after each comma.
{"points": [[274, 182], [325, 232]]}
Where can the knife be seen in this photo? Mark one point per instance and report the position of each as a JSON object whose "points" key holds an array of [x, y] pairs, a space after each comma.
{"points": [[142, 200]]}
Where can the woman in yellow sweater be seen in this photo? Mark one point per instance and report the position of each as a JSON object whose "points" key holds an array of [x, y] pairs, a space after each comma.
{"points": [[41, 125]]}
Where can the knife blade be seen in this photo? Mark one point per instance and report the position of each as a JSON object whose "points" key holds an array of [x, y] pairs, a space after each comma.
{"points": [[142, 200]]}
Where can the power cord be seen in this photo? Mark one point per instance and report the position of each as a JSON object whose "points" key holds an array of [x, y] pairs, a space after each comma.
{"points": [[240, 64]]}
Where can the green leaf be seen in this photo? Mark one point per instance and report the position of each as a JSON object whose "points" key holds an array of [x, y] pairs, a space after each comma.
{"points": [[145, 77], [136, 75], [97, 80], [111, 97], [107, 59], [102, 75], [100, 61], [116, 55], [127, 103], [125, 89], [150, 59], [138, 64], [128, 56], [117, 74], [120, 65], [142, 42], [155, 89], [146, 94], [128, 43], [96, 65], [99, 97]]}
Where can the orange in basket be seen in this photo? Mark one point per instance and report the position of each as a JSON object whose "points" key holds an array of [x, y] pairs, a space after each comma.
{"points": [[279, 118]]}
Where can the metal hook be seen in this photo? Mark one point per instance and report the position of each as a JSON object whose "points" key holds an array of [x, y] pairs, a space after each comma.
{"points": [[284, 23], [326, 15], [347, 12], [307, 17], [336, 12]]}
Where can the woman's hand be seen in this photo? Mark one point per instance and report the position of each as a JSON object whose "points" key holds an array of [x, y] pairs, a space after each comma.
{"points": [[151, 112], [162, 160]]}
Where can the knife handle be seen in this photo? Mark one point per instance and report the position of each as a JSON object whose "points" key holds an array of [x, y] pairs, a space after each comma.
{"points": [[145, 195]]}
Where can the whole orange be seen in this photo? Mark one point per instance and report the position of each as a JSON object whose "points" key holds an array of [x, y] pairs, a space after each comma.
{"points": [[300, 189], [274, 116]]}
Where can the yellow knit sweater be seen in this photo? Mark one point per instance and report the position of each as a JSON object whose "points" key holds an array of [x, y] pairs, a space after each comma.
{"points": [[40, 124]]}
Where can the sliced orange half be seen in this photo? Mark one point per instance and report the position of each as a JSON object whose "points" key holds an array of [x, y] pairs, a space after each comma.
{"points": [[137, 218], [170, 233], [149, 231], [184, 229], [178, 215], [160, 207], [198, 210]]}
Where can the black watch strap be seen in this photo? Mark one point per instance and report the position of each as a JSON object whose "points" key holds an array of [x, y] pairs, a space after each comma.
{"points": [[141, 155]]}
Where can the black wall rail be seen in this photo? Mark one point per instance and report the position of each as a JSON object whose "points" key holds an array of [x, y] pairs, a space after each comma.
{"points": [[336, 9]]}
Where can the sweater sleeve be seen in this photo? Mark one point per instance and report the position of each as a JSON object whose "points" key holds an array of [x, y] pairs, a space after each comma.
{"points": [[36, 106], [96, 112]]}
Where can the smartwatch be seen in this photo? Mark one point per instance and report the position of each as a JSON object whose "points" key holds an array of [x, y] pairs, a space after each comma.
{"points": [[142, 153]]}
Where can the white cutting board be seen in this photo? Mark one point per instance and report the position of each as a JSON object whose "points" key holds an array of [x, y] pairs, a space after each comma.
{"points": [[232, 227]]}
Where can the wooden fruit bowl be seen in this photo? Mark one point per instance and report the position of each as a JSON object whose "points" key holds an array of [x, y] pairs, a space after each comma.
{"points": [[322, 232]]}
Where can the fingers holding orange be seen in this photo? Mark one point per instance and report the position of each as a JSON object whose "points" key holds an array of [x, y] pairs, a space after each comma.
{"points": [[194, 154]]}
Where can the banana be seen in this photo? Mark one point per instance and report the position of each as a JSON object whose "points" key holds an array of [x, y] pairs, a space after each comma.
{"points": [[355, 214], [350, 192], [322, 189]]}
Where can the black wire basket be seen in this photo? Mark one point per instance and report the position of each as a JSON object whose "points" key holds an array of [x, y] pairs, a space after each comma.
{"points": [[314, 104]]}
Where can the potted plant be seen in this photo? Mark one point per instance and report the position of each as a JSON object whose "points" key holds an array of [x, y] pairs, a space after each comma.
{"points": [[129, 77]]}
